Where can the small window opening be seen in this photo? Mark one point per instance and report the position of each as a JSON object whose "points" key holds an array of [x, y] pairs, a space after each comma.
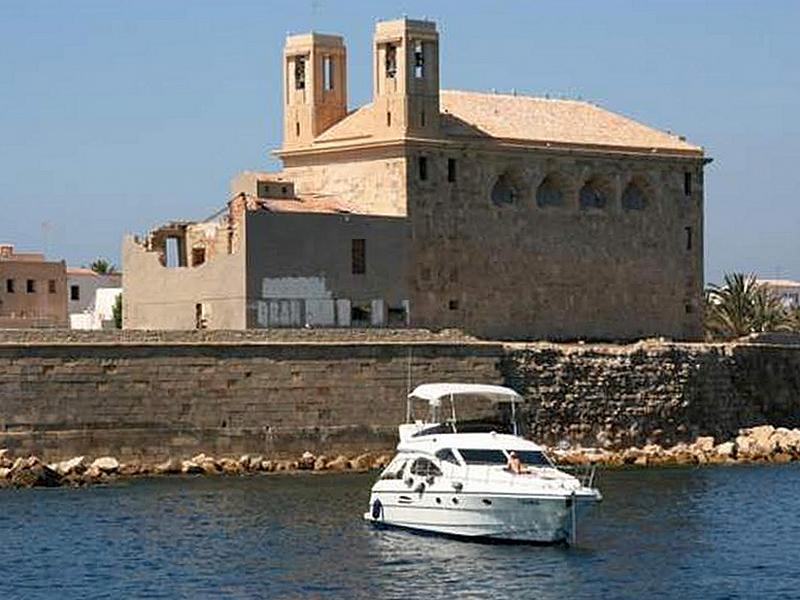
{"points": [[688, 308], [422, 163], [549, 194], [388, 119], [9, 286], [199, 316], [396, 316], [30, 286], [453, 305], [299, 73], [592, 197], [359, 256], [74, 293], [51, 286], [198, 256], [172, 252], [391, 61], [422, 119], [633, 198], [327, 73], [687, 183], [451, 170], [689, 240], [284, 190], [297, 128], [360, 315], [419, 60], [503, 191]]}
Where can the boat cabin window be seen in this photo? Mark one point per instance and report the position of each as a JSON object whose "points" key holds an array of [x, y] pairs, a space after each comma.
{"points": [[533, 458], [446, 454], [425, 468], [395, 469], [477, 456]]}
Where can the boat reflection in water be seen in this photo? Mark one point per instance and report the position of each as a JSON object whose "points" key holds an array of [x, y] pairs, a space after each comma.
{"points": [[476, 482]]}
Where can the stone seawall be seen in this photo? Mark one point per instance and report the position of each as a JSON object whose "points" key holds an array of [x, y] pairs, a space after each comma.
{"points": [[151, 397], [152, 401], [620, 396]]}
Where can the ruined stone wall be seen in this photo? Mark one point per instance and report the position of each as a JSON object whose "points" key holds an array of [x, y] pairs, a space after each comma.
{"points": [[521, 270], [160, 297], [621, 396]]}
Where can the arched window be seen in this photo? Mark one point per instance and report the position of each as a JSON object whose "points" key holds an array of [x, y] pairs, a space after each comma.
{"points": [[549, 193], [633, 197], [592, 196], [503, 191]]}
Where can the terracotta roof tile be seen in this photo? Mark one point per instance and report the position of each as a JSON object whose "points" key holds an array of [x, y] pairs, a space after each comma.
{"points": [[525, 118]]}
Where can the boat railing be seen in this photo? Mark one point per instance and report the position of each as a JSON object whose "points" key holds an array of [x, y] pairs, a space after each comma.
{"points": [[585, 474]]}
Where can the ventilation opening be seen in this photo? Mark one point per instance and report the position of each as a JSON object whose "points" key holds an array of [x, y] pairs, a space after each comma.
{"points": [[327, 73], [388, 119], [451, 170], [419, 60], [423, 168], [391, 61]]}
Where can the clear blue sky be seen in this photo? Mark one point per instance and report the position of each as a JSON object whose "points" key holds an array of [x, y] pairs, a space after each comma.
{"points": [[116, 115]]}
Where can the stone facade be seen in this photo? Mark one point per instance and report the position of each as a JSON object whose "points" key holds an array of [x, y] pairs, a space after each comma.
{"points": [[526, 218]]}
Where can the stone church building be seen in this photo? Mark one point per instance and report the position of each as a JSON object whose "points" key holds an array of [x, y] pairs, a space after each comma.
{"points": [[504, 215]]}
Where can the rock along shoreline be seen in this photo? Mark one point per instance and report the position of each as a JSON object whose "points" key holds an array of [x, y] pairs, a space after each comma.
{"points": [[764, 443]]}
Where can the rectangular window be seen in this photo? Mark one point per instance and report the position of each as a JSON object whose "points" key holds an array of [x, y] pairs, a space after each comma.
{"points": [[388, 119], [422, 119], [9, 286], [451, 170], [689, 240], [359, 256], [687, 183], [453, 305], [419, 60], [198, 256], [327, 73], [51, 286], [299, 73], [422, 163], [74, 293], [30, 286], [391, 61]]}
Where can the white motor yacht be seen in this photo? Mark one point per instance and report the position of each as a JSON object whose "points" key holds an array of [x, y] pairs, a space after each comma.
{"points": [[460, 479]]}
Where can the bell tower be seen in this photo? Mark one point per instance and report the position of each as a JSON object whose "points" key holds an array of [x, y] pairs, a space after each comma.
{"points": [[314, 86], [406, 77]]}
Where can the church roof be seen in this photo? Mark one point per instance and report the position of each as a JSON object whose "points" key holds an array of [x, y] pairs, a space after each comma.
{"points": [[572, 122], [526, 119]]}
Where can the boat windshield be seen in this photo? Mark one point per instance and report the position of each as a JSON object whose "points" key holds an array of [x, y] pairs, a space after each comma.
{"points": [[533, 458], [479, 456]]}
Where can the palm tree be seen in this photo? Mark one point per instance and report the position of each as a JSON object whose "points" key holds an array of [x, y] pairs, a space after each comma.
{"points": [[741, 306], [103, 266]]}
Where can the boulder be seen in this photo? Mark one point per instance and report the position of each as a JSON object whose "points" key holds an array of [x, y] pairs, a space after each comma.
{"points": [[230, 466], [704, 443], [77, 464], [4, 471], [168, 467], [5, 458], [36, 475], [130, 469], [306, 461], [320, 463], [362, 462], [268, 466], [201, 458], [780, 457], [340, 463], [107, 464], [191, 468], [382, 461], [725, 450], [209, 466]]}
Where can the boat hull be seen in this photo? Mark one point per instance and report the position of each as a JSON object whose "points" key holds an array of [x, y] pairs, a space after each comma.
{"points": [[520, 518]]}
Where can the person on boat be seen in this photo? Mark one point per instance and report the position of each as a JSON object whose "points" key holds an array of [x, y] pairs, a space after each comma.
{"points": [[514, 463]]}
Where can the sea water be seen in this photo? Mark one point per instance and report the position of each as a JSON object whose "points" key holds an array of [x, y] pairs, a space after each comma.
{"points": [[711, 532]]}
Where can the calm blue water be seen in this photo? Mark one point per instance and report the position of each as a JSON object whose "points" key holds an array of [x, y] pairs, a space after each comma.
{"points": [[724, 532]]}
